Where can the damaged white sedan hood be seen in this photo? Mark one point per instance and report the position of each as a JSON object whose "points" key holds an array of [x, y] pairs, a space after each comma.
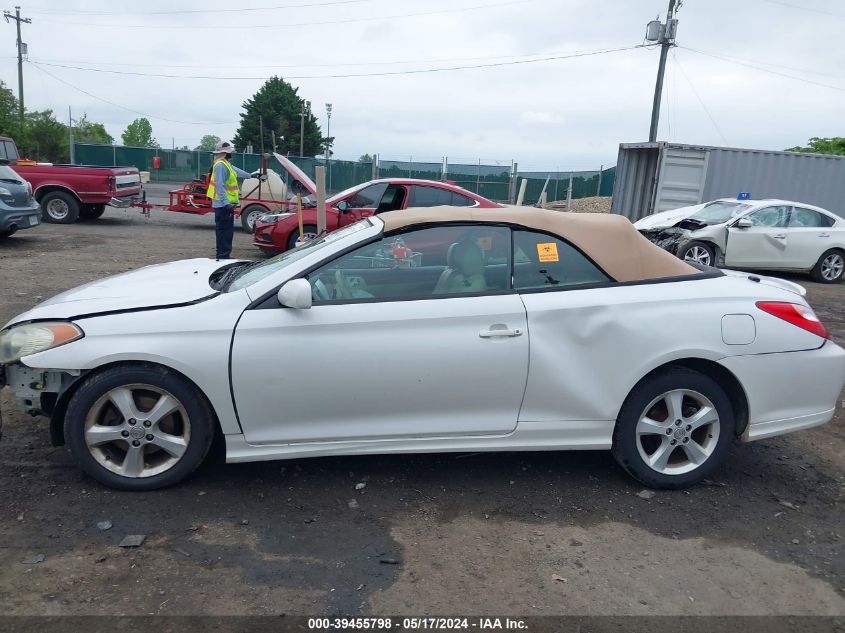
{"points": [[666, 219], [158, 285]]}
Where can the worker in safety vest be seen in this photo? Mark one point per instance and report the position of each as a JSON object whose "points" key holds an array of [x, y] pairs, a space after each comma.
{"points": [[224, 193]]}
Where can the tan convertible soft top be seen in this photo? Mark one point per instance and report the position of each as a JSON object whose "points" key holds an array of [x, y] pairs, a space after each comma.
{"points": [[610, 240]]}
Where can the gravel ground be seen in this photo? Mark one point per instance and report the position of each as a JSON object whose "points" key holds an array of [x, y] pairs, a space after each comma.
{"points": [[529, 534]]}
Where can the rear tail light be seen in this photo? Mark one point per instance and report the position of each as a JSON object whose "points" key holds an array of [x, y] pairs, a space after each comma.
{"points": [[112, 183], [799, 315]]}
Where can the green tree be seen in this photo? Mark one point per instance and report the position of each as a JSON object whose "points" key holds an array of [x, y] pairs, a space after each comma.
{"points": [[85, 131], [44, 138], [139, 133], [365, 158], [207, 143], [280, 106], [816, 145], [9, 123]]}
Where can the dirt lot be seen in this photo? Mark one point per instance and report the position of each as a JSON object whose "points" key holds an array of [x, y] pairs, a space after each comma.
{"points": [[438, 534]]}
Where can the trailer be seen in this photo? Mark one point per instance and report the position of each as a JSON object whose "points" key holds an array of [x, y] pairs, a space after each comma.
{"points": [[655, 177], [191, 197]]}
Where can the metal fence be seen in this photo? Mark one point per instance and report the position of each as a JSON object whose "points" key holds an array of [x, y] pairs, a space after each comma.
{"points": [[497, 180]]}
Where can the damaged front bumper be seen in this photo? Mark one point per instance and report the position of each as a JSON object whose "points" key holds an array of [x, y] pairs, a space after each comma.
{"points": [[36, 390], [669, 239]]}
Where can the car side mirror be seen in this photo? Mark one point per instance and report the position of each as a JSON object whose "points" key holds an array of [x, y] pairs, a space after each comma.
{"points": [[744, 223], [342, 206], [296, 294]]}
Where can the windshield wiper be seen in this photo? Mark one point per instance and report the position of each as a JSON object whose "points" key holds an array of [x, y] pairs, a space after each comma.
{"points": [[233, 273]]}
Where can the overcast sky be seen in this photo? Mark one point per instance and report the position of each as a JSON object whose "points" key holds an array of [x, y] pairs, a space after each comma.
{"points": [[567, 114]]}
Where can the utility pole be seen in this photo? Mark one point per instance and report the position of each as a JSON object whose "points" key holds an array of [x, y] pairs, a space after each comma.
{"points": [[664, 34], [21, 47], [261, 135], [306, 111]]}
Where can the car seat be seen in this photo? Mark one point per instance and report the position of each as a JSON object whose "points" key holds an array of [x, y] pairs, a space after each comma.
{"points": [[464, 270]]}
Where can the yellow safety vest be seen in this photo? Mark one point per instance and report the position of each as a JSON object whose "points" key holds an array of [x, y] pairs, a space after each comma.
{"points": [[231, 186]]}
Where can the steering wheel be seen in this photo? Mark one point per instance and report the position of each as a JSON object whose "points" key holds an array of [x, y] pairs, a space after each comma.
{"points": [[319, 291]]}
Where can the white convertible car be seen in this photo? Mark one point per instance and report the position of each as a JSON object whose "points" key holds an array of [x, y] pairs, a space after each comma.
{"points": [[446, 329], [759, 234]]}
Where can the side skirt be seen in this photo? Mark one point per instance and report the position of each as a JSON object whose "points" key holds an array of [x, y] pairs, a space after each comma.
{"points": [[528, 436]]}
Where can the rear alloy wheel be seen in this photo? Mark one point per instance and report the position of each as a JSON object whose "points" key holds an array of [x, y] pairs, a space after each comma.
{"points": [[92, 211], [59, 207], [309, 232], [138, 428], [674, 429], [830, 268], [250, 215], [698, 253]]}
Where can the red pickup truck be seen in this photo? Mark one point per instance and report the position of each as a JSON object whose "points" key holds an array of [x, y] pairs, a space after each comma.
{"points": [[69, 192]]}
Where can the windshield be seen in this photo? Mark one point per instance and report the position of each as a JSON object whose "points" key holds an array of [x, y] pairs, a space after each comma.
{"points": [[346, 192], [7, 174], [261, 270], [719, 212]]}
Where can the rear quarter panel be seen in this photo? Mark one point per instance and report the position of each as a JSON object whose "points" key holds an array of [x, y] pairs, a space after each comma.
{"points": [[590, 347]]}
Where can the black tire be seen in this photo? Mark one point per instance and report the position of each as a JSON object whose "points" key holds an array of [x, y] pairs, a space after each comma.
{"points": [[626, 439], [834, 256], [308, 228], [59, 207], [92, 211], [256, 210], [202, 425], [698, 252], [5, 234]]}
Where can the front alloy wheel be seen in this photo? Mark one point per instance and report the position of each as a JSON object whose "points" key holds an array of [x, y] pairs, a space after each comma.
{"points": [[137, 430], [698, 253], [138, 427]]}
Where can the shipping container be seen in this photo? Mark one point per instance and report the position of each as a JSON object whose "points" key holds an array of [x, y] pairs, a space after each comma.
{"points": [[654, 177]]}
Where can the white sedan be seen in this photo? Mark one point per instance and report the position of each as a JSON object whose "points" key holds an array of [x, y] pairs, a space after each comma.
{"points": [[425, 331], [759, 234]]}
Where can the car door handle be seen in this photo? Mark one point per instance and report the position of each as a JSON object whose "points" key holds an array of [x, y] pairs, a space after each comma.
{"points": [[824, 234], [780, 236], [493, 332]]}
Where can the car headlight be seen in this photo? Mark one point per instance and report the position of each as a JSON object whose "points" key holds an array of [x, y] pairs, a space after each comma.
{"points": [[30, 338], [273, 218]]}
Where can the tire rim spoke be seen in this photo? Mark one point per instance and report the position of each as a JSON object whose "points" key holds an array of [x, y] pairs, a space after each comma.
{"points": [[704, 416], [99, 434], [165, 406], [125, 403], [133, 463], [696, 454], [172, 444], [647, 426], [660, 457], [674, 405]]}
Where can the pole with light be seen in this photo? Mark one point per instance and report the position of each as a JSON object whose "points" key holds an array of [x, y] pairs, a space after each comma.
{"points": [[328, 144]]}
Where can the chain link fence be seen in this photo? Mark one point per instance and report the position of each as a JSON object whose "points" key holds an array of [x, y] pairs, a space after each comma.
{"points": [[496, 180]]}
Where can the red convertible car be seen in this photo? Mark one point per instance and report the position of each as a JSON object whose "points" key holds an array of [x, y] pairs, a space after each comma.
{"points": [[279, 232]]}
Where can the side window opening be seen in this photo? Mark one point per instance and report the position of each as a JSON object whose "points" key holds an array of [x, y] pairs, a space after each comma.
{"points": [[542, 261], [427, 263]]}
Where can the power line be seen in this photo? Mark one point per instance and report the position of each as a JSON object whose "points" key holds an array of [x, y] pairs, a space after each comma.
{"points": [[700, 100], [303, 65], [204, 11], [802, 8], [760, 68], [230, 27], [117, 105], [352, 75]]}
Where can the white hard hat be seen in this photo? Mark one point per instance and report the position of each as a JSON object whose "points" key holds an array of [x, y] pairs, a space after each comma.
{"points": [[224, 147]]}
